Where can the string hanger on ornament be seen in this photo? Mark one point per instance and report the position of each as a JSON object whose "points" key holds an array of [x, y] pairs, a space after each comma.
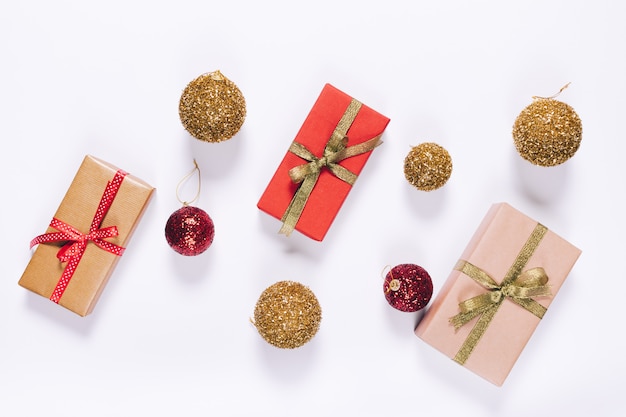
{"points": [[555, 95], [189, 230], [195, 170], [394, 284]]}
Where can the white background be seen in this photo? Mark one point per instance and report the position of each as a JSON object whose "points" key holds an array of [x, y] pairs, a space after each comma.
{"points": [[171, 335]]}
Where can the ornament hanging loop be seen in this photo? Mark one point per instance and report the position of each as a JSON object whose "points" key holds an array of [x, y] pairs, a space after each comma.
{"points": [[195, 170], [386, 269], [394, 284], [554, 95]]}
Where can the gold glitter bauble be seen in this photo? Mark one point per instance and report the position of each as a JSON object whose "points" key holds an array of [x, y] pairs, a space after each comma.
{"points": [[287, 314], [212, 108], [428, 166], [547, 132]]}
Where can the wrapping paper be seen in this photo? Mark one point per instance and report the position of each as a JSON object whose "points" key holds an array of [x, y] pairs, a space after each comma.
{"points": [[75, 257], [509, 248], [335, 122]]}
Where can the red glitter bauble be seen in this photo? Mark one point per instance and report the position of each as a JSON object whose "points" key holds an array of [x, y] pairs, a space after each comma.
{"points": [[408, 287], [189, 231]]}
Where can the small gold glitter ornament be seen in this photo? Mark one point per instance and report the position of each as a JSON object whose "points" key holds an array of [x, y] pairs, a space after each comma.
{"points": [[547, 132], [427, 166], [212, 108], [287, 314]]}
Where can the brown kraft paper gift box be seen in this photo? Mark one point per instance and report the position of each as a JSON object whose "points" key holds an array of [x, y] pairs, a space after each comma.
{"points": [[76, 281], [505, 280]]}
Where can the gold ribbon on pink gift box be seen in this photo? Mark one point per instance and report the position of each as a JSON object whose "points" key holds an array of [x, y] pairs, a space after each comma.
{"points": [[336, 150], [518, 285]]}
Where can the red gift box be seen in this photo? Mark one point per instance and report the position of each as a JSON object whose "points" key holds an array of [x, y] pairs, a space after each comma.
{"points": [[321, 165]]}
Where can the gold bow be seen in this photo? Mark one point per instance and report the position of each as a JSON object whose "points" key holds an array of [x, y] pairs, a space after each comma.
{"points": [[518, 286], [336, 150]]}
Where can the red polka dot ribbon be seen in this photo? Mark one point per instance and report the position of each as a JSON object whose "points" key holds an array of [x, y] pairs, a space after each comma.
{"points": [[73, 250]]}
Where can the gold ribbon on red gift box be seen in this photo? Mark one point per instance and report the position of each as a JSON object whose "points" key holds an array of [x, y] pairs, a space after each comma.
{"points": [[518, 285], [335, 151]]}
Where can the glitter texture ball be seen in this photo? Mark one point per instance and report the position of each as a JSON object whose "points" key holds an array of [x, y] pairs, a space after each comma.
{"points": [[548, 132], [427, 166], [287, 314], [212, 108], [408, 287], [189, 231]]}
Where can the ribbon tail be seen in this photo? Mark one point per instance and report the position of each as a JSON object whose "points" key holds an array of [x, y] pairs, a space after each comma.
{"points": [[462, 319], [70, 250], [50, 237], [532, 306], [66, 276], [475, 335], [361, 148], [343, 174], [296, 206], [110, 247]]}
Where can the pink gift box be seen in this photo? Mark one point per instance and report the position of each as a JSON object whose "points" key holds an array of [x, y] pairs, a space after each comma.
{"points": [[519, 267]]}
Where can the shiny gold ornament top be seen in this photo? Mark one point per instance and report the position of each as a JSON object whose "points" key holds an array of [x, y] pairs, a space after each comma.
{"points": [[548, 132], [428, 166], [212, 108], [287, 314]]}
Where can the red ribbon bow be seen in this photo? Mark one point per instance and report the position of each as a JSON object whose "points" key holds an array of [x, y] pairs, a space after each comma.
{"points": [[73, 250]]}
